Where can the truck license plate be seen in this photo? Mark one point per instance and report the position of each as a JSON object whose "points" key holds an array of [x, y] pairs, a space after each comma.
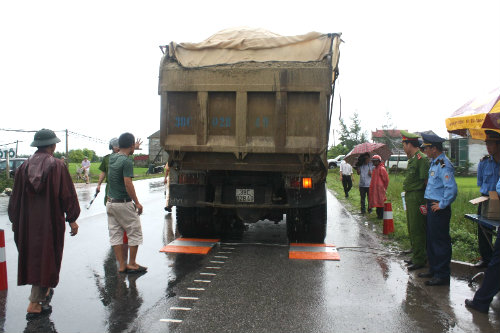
{"points": [[244, 194]]}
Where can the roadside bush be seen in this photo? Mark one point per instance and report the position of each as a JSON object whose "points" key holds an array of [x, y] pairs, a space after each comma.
{"points": [[5, 182]]}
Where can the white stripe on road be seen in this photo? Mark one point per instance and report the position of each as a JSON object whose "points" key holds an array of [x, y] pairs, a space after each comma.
{"points": [[171, 320], [196, 289], [211, 274], [228, 248], [179, 308], [189, 298], [224, 252], [212, 267], [223, 257], [203, 281], [217, 262]]}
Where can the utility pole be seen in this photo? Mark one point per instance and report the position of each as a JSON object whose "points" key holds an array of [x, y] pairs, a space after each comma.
{"points": [[17, 143], [67, 145]]}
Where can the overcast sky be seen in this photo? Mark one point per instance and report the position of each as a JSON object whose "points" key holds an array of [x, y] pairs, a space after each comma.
{"points": [[92, 66]]}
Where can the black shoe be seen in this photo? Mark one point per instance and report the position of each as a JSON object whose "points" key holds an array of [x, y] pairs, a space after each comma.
{"points": [[46, 310], [369, 210], [168, 209], [435, 281], [481, 264], [471, 305], [425, 275], [408, 261], [413, 267]]}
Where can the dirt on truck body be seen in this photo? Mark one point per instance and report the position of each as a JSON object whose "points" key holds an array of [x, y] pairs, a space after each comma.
{"points": [[245, 120]]}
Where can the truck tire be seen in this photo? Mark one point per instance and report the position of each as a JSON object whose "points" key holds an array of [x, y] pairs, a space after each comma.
{"points": [[195, 222], [332, 165], [307, 225]]}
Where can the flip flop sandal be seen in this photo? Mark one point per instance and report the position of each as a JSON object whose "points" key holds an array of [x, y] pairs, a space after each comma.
{"points": [[46, 309], [139, 269]]}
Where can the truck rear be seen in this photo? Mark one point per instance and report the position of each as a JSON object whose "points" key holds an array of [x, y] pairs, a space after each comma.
{"points": [[245, 120]]}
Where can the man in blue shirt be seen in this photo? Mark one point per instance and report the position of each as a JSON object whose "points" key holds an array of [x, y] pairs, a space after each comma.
{"points": [[440, 192], [491, 282], [487, 179]]}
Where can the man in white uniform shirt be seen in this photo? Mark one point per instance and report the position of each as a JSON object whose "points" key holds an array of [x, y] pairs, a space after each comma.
{"points": [[346, 175]]}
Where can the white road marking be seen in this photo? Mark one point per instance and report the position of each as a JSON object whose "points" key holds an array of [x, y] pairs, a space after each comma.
{"points": [[217, 262], [212, 267], [203, 281], [179, 308], [189, 298], [211, 274], [171, 320], [196, 289], [223, 257], [224, 252], [228, 248]]}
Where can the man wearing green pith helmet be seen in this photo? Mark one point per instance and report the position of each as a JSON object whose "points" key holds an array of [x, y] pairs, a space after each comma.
{"points": [[414, 187]]}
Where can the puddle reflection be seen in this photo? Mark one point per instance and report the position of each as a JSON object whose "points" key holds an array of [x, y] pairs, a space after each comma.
{"points": [[121, 302]]}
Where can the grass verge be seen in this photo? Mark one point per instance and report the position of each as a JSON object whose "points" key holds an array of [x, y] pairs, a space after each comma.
{"points": [[463, 232]]}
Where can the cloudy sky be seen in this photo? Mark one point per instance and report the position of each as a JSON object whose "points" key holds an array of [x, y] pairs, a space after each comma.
{"points": [[92, 66]]}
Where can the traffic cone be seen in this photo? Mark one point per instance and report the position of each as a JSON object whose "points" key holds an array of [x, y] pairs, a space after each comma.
{"points": [[388, 221], [3, 262]]}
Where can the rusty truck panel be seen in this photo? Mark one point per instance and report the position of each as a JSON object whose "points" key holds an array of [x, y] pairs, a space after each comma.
{"points": [[245, 108]]}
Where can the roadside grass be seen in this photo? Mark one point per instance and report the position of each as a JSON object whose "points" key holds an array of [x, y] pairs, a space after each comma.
{"points": [[463, 232]]}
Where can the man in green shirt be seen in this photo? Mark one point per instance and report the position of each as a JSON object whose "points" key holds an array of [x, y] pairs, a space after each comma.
{"points": [[414, 187], [123, 207], [113, 146]]}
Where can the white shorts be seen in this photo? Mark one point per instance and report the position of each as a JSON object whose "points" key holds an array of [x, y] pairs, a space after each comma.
{"points": [[123, 217]]}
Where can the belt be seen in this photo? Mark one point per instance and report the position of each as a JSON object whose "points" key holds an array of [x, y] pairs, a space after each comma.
{"points": [[119, 200], [422, 190]]}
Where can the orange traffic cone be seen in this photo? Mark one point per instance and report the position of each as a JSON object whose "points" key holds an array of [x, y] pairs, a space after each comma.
{"points": [[388, 221]]}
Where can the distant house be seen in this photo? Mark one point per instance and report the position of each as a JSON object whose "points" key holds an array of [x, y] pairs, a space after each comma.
{"points": [[463, 150], [141, 160], [155, 149], [391, 137]]}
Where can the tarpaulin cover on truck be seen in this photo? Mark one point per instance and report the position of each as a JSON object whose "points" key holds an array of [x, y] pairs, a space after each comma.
{"points": [[238, 45]]}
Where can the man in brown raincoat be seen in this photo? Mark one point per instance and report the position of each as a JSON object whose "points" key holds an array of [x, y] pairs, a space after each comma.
{"points": [[43, 198]]}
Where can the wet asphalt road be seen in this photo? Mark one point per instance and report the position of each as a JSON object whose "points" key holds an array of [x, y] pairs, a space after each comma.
{"points": [[253, 286]]}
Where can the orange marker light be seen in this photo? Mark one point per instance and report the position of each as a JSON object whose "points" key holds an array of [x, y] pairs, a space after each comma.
{"points": [[306, 182]]}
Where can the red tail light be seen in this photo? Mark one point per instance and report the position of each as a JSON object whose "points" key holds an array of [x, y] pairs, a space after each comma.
{"points": [[295, 182], [306, 182]]}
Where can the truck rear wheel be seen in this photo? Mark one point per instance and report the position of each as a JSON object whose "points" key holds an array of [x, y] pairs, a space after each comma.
{"points": [[195, 222], [307, 225]]}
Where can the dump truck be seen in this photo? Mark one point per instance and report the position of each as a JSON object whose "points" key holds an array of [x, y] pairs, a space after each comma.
{"points": [[245, 119]]}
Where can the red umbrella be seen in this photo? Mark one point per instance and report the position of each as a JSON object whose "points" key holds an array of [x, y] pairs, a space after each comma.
{"points": [[368, 147]]}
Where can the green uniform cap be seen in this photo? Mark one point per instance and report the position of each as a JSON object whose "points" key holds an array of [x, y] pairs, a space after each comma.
{"points": [[407, 136], [44, 137]]}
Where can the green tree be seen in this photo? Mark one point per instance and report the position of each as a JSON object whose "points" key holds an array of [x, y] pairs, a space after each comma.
{"points": [[352, 135], [337, 150], [77, 155]]}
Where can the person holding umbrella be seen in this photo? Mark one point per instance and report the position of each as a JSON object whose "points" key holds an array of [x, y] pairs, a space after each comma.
{"points": [[440, 192], [364, 169], [378, 186], [487, 177]]}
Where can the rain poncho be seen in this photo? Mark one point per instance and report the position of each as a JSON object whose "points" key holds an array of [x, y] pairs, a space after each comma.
{"points": [[378, 186], [42, 199]]}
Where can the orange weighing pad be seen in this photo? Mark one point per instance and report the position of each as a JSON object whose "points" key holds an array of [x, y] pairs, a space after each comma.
{"points": [[313, 251], [190, 245]]}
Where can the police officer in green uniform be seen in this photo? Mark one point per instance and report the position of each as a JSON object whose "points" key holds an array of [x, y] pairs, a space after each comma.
{"points": [[414, 186]]}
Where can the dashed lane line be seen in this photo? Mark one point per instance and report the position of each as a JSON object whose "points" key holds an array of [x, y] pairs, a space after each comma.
{"points": [[203, 281], [171, 320], [189, 298], [196, 289], [179, 308]]}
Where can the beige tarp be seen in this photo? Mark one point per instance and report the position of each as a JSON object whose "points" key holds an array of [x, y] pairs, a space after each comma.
{"points": [[232, 46]]}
